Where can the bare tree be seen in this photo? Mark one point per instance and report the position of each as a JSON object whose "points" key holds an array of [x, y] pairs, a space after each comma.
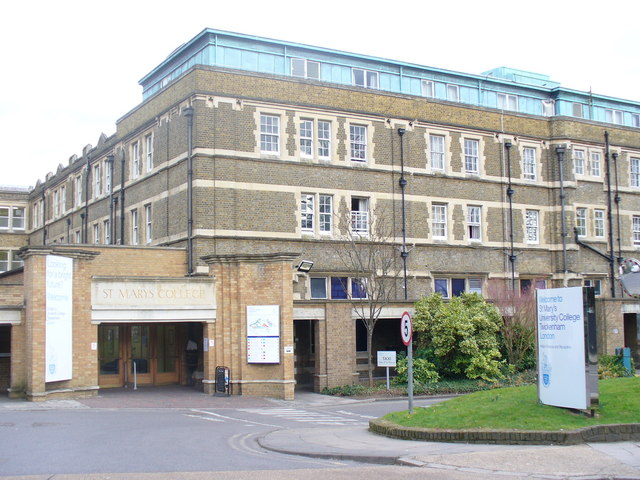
{"points": [[367, 252]]}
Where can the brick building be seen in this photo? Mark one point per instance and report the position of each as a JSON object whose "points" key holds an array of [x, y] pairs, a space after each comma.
{"points": [[244, 148]]}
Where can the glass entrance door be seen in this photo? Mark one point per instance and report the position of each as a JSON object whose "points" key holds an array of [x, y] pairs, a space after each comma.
{"points": [[166, 354], [140, 354], [109, 356]]}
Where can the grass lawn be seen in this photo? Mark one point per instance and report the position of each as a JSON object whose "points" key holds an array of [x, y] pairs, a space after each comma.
{"points": [[517, 408]]}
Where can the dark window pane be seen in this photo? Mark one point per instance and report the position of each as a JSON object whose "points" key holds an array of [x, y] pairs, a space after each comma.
{"points": [[457, 286], [339, 288]]}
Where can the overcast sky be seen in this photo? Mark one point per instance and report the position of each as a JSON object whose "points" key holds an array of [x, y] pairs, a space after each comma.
{"points": [[71, 68]]}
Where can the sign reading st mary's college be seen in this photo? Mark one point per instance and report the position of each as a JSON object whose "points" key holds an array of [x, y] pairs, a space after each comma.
{"points": [[562, 376]]}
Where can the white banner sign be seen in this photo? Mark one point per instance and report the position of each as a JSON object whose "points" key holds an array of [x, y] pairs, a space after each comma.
{"points": [[561, 348], [59, 309]]}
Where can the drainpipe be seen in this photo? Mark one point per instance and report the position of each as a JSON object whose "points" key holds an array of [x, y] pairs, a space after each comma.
{"points": [[110, 167], [560, 152], [122, 198], [68, 230], [510, 192], [188, 113], [44, 217], [617, 199], [85, 219], [610, 218]]}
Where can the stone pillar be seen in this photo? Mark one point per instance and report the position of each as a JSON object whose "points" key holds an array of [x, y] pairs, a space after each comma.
{"points": [[253, 280]]}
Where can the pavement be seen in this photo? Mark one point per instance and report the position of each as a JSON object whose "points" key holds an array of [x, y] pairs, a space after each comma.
{"points": [[591, 461]]}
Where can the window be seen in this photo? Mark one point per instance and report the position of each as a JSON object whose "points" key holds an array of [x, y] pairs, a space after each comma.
{"points": [[358, 141], [436, 151], [35, 219], [529, 163], [635, 172], [360, 216], [596, 284], [96, 234], [598, 223], [63, 199], [318, 287], [453, 93], [301, 67], [107, 177], [507, 102], [12, 218], [148, 219], [636, 230], [635, 119], [471, 156], [339, 287], [527, 283], [473, 223], [78, 237], [532, 226], [78, 188], [16, 262], [595, 164], [56, 204], [581, 221], [358, 288], [107, 232], [323, 143], [270, 134], [148, 140], [578, 161], [134, 227], [427, 88], [457, 286], [308, 213], [97, 181], [364, 78], [4, 260], [613, 116], [576, 110], [135, 159], [439, 221]]}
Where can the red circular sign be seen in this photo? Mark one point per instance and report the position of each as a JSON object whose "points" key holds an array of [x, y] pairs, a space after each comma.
{"points": [[406, 328]]}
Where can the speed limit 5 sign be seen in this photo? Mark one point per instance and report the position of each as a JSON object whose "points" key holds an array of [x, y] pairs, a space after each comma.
{"points": [[406, 328]]}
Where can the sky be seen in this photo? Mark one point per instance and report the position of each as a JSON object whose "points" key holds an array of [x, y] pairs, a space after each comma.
{"points": [[71, 68]]}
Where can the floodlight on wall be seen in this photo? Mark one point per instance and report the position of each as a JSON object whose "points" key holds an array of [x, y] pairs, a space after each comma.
{"points": [[304, 266]]}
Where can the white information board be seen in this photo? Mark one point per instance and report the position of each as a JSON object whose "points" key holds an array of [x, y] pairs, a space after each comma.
{"points": [[386, 358], [561, 348], [58, 318], [263, 333]]}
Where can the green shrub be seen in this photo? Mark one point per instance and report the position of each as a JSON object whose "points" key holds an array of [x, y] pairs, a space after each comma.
{"points": [[423, 371], [345, 390], [611, 366]]}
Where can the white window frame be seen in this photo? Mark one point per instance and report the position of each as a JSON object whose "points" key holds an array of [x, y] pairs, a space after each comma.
{"points": [[5, 219], [358, 141], [148, 220], [134, 227], [304, 64], [598, 223], [471, 156], [269, 134], [135, 159], [635, 225], [306, 138], [56, 203], [5, 263], [508, 101], [634, 165], [439, 221], [107, 178], [97, 181], [325, 213], [323, 129], [635, 120], [577, 110], [427, 88], [437, 157], [529, 163], [471, 285], [360, 216], [532, 226], [326, 290], [307, 212], [474, 223], [96, 234], [596, 164], [581, 221], [148, 139], [614, 116], [78, 192], [370, 78], [596, 283], [453, 92], [106, 227], [578, 162], [14, 221]]}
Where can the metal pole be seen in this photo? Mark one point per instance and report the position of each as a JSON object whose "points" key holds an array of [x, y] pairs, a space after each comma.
{"points": [[610, 218], [135, 376], [512, 257], [560, 151], [404, 254]]}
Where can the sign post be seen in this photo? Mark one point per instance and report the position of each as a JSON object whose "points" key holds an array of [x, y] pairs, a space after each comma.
{"points": [[406, 332], [387, 359]]}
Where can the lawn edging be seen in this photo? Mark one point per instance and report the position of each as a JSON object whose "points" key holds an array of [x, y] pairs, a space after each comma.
{"points": [[595, 433]]}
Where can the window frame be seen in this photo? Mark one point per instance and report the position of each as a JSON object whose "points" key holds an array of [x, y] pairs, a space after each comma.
{"points": [[599, 228], [474, 223], [635, 230], [578, 162], [531, 228], [97, 180], [135, 159], [433, 153], [505, 101], [614, 116], [596, 283], [439, 221], [596, 164], [370, 78], [529, 163], [471, 150], [134, 227], [270, 137], [106, 228], [427, 88], [447, 281], [634, 167], [358, 143], [453, 92], [581, 221], [148, 141], [360, 217]]}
